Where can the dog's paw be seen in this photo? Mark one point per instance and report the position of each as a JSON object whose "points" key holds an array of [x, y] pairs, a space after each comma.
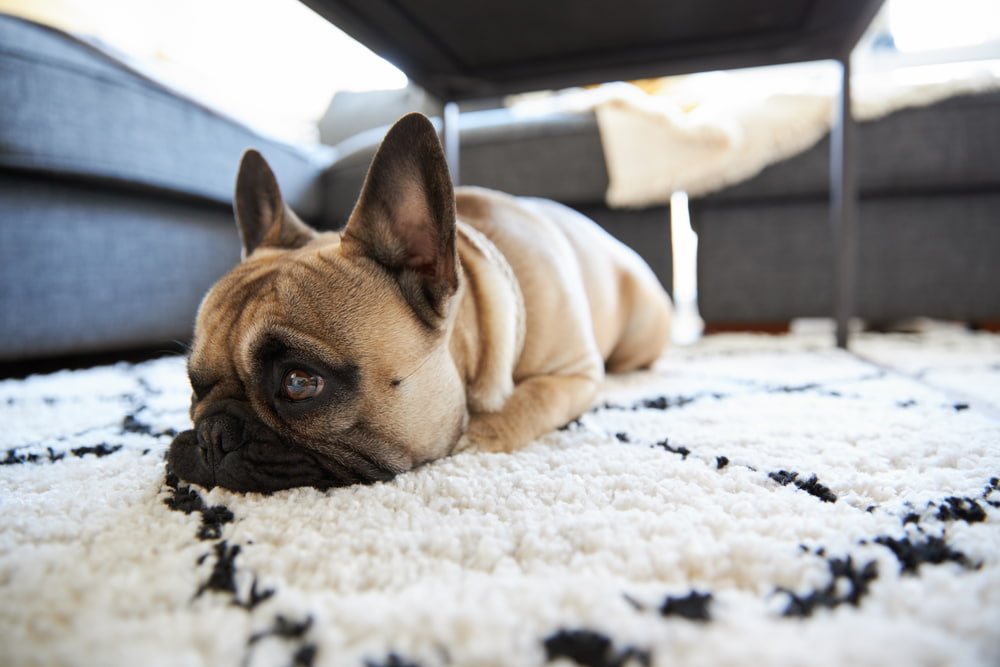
{"points": [[486, 433], [465, 444]]}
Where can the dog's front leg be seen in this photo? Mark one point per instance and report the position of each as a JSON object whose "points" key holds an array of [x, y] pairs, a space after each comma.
{"points": [[537, 405]]}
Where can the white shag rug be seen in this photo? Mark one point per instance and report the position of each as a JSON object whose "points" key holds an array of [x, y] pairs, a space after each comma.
{"points": [[750, 501]]}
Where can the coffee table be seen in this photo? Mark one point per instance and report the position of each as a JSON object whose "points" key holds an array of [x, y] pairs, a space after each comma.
{"points": [[461, 50]]}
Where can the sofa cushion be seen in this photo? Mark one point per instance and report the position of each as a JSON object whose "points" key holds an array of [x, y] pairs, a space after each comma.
{"points": [[557, 156], [73, 109], [950, 146], [89, 269]]}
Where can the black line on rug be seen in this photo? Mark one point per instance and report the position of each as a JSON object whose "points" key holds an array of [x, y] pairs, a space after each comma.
{"points": [[931, 550], [185, 499], [842, 571], [129, 424], [994, 485], [693, 606], [392, 660], [662, 402], [124, 397], [223, 576], [849, 584], [961, 509], [958, 401], [592, 649], [790, 389], [810, 486], [680, 450], [289, 631], [14, 457], [954, 508], [132, 424]]}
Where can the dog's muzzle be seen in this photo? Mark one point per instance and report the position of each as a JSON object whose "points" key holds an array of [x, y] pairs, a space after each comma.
{"points": [[231, 448]]}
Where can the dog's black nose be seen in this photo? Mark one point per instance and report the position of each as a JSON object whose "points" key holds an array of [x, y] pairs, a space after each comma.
{"points": [[220, 434], [189, 461]]}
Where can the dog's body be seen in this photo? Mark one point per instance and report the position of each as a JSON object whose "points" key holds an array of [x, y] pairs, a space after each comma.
{"points": [[433, 323]]}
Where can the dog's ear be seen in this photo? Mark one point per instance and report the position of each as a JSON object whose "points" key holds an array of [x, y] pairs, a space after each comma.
{"points": [[263, 218], [405, 217]]}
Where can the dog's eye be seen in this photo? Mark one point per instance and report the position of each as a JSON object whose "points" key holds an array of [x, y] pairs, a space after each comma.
{"points": [[299, 385]]}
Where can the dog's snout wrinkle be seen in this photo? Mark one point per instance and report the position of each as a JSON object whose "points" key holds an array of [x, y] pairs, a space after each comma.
{"points": [[230, 434]]}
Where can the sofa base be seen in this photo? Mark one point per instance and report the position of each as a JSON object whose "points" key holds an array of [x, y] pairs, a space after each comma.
{"points": [[646, 231], [84, 269], [917, 256]]}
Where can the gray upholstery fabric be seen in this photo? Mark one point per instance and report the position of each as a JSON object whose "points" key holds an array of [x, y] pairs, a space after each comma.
{"points": [[69, 108], [558, 156], [352, 112], [930, 256], [86, 269], [951, 145], [115, 198], [929, 221]]}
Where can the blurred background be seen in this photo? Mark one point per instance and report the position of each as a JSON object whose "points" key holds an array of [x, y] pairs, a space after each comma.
{"points": [[125, 124], [277, 65]]}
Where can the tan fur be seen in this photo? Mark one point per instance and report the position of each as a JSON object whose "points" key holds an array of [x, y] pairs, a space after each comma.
{"points": [[588, 300], [444, 322], [489, 335]]}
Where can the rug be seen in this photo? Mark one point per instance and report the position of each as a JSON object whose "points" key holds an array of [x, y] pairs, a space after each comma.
{"points": [[749, 501]]}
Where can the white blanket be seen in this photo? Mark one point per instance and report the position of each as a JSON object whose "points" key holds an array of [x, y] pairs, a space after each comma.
{"points": [[706, 132], [750, 501]]}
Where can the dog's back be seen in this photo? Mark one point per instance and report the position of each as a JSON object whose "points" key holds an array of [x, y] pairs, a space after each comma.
{"points": [[577, 279]]}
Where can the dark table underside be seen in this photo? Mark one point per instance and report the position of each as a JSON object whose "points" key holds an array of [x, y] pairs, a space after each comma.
{"points": [[462, 49]]}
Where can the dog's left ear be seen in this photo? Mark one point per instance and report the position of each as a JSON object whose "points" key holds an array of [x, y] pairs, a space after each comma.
{"points": [[263, 218], [405, 217]]}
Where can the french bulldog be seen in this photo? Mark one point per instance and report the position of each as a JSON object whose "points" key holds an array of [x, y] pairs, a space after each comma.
{"points": [[437, 321]]}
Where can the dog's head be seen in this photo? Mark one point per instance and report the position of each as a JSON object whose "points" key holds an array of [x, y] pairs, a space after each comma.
{"points": [[323, 359]]}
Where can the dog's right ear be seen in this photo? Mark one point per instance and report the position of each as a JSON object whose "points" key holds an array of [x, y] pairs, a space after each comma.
{"points": [[263, 218], [405, 217]]}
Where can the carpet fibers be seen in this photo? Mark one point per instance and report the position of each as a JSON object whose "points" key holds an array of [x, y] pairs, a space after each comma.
{"points": [[749, 501]]}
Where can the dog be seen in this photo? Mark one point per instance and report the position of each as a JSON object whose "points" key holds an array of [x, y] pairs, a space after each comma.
{"points": [[438, 320]]}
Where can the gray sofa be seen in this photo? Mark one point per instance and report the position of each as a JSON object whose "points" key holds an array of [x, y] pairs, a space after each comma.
{"points": [[929, 226], [115, 194], [114, 199]]}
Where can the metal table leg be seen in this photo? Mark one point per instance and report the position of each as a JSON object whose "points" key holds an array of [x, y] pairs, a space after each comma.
{"points": [[451, 133], [843, 205]]}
